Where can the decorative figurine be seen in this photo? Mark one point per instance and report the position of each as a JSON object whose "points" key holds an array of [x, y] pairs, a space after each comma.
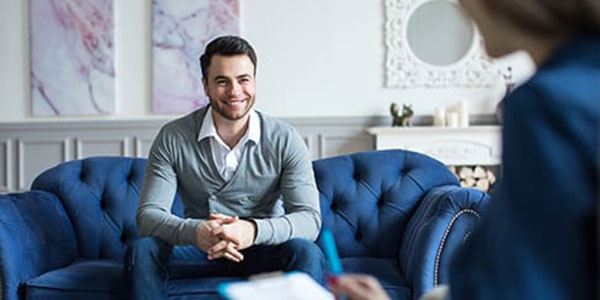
{"points": [[404, 119]]}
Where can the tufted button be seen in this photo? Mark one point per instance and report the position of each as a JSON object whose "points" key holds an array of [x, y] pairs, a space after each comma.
{"points": [[123, 236], [358, 235], [380, 202], [356, 176], [102, 204], [130, 177], [334, 206], [82, 176]]}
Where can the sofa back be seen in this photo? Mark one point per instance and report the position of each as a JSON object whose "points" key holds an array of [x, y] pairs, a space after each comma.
{"points": [[100, 196], [368, 198], [365, 198]]}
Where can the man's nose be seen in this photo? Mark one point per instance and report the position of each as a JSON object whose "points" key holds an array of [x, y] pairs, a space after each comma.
{"points": [[234, 89]]}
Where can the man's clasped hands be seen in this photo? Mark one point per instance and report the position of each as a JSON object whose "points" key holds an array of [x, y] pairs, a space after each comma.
{"points": [[225, 236]]}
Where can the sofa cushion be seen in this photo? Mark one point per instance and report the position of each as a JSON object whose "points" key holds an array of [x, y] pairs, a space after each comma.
{"points": [[99, 279], [385, 270], [104, 279]]}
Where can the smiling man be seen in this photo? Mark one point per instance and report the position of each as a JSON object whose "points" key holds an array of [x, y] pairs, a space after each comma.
{"points": [[245, 180]]}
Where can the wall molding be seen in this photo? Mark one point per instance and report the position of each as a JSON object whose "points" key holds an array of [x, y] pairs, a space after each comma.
{"points": [[79, 139], [324, 137], [6, 184], [24, 161], [81, 142]]}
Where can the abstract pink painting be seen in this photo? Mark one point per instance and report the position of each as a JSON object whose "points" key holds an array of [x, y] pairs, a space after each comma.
{"points": [[181, 29], [72, 57]]}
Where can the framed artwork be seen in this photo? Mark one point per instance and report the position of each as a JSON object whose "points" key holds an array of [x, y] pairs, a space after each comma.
{"points": [[72, 57], [181, 29]]}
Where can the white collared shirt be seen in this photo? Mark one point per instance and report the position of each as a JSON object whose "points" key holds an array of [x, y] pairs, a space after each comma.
{"points": [[226, 159]]}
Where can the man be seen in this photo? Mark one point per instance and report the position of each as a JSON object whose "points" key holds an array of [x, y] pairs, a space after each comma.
{"points": [[235, 169]]}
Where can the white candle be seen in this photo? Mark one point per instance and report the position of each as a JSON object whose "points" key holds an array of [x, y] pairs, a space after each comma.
{"points": [[452, 120], [463, 114], [439, 117]]}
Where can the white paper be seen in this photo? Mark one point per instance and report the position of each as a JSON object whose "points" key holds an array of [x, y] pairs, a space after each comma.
{"points": [[292, 286]]}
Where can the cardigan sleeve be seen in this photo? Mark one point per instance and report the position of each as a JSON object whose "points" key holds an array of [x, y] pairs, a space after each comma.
{"points": [[154, 217], [300, 196]]}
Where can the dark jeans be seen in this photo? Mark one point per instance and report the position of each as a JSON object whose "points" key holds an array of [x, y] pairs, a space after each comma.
{"points": [[150, 262]]}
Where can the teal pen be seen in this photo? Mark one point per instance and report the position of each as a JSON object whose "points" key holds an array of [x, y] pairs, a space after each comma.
{"points": [[335, 265]]}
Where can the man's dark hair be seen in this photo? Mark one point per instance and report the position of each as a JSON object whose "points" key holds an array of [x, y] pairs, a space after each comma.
{"points": [[226, 45]]}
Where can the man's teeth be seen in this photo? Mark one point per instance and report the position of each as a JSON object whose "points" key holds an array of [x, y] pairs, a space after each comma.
{"points": [[235, 103]]}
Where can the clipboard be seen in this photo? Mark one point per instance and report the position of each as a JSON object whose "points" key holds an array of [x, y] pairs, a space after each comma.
{"points": [[290, 286]]}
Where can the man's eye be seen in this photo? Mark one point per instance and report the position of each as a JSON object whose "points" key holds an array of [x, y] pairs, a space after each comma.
{"points": [[221, 82]]}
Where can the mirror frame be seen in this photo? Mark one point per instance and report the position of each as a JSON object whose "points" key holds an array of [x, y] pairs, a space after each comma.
{"points": [[405, 70]]}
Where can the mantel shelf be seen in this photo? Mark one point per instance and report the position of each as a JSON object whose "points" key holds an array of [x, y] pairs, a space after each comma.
{"points": [[474, 145]]}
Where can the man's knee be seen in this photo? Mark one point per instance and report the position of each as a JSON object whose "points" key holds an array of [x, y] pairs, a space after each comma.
{"points": [[303, 249], [306, 256], [147, 249]]}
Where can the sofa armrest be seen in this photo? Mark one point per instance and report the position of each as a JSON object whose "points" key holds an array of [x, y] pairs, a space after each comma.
{"points": [[444, 219], [35, 236]]}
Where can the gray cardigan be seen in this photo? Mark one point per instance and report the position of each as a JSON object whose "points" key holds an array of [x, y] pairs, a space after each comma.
{"points": [[272, 174]]}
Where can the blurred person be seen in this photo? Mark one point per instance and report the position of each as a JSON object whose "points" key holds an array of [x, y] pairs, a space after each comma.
{"points": [[539, 239]]}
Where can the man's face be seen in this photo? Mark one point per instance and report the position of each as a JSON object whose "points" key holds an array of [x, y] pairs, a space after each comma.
{"points": [[230, 86]]}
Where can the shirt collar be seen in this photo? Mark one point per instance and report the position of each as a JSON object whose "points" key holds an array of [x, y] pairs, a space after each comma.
{"points": [[254, 127], [208, 128]]}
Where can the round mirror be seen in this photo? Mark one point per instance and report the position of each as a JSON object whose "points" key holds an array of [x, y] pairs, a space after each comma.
{"points": [[439, 32]]}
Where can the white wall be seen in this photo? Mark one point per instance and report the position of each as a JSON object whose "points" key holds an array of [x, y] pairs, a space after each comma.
{"points": [[317, 58]]}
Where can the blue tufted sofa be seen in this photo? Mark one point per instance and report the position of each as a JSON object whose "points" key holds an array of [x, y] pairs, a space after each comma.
{"points": [[396, 215]]}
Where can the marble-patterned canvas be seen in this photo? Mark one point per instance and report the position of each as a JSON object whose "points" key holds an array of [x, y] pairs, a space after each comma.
{"points": [[181, 29], [72, 57]]}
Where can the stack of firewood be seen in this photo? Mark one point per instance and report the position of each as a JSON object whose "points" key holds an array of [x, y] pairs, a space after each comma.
{"points": [[477, 177]]}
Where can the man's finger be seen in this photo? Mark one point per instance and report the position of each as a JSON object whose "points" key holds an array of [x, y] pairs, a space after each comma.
{"points": [[222, 234], [220, 217], [233, 251], [231, 220], [213, 240], [229, 253], [212, 225], [218, 247], [218, 230], [231, 257], [223, 219], [216, 255]]}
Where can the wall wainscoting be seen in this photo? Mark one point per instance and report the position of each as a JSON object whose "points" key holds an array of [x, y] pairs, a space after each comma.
{"points": [[28, 148]]}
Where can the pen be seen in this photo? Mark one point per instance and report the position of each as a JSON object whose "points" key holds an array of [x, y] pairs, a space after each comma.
{"points": [[331, 254]]}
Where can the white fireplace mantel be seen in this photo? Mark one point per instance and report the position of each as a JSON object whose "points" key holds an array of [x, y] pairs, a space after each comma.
{"points": [[474, 145]]}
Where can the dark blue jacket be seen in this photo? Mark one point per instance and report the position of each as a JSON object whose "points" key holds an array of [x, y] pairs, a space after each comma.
{"points": [[539, 238]]}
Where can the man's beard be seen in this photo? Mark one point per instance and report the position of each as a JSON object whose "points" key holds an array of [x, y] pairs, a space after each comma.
{"points": [[222, 112]]}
